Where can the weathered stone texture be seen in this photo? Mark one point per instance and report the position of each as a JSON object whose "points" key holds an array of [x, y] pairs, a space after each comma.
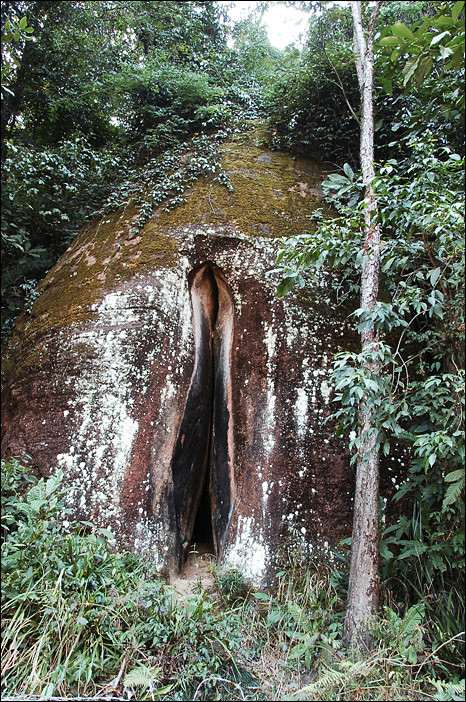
{"points": [[98, 375]]}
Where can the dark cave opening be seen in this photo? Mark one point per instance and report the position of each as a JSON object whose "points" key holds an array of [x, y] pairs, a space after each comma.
{"points": [[202, 467], [202, 537]]}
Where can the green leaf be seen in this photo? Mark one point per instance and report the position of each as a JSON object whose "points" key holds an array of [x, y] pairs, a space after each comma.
{"points": [[285, 286], [438, 37], [424, 69], [416, 548], [142, 675], [443, 21], [389, 41], [372, 385], [410, 67], [452, 493], [338, 178], [386, 84], [53, 483], [274, 616], [455, 475], [48, 690], [280, 256], [401, 30], [413, 618], [23, 23], [457, 60], [437, 561], [261, 596], [457, 7], [349, 171], [384, 551], [445, 51], [165, 689], [434, 275]]}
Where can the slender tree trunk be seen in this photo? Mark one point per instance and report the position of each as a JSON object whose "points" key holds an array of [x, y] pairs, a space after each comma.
{"points": [[364, 570], [12, 104]]}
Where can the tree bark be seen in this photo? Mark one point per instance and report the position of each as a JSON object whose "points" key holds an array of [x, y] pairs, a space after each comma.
{"points": [[12, 104], [364, 569]]}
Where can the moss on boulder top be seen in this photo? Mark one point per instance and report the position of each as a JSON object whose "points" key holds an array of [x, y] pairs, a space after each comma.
{"points": [[273, 195]]}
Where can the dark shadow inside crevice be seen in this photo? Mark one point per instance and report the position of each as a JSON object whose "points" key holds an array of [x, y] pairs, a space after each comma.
{"points": [[202, 538], [202, 463]]}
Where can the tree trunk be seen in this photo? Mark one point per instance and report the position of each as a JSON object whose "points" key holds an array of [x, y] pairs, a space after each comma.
{"points": [[364, 569], [12, 104]]}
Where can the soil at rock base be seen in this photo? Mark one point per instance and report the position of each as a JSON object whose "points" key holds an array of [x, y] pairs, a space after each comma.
{"points": [[195, 571]]}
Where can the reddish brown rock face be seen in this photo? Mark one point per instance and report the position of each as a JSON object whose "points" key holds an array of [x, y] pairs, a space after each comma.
{"points": [[180, 395]]}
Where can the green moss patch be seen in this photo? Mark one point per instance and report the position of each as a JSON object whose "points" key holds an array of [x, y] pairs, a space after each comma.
{"points": [[274, 194]]}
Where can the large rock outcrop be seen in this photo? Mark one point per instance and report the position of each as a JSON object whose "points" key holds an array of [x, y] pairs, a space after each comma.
{"points": [[183, 400]]}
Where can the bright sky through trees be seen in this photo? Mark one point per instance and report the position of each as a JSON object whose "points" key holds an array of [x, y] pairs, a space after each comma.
{"points": [[284, 24]]}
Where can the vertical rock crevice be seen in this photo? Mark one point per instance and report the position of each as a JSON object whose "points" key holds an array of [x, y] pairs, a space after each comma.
{"points": [[202, 464]]}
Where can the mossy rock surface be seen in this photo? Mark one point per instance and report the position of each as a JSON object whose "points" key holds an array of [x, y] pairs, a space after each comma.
{"points": [[274, 195]]}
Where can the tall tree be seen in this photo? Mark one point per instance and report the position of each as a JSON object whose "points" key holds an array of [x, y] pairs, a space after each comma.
{"points": [[364, 569]]}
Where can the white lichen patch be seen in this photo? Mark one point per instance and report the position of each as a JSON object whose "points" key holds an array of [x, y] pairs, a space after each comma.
{"points": [[326, 391], [249, 553], [270, 341], [116, 372], [149, 538], [266, 491], [300, 409], [105, 428]]}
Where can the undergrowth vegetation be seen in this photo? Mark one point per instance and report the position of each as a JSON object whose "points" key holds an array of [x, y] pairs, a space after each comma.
{"points": [[81, 618]]}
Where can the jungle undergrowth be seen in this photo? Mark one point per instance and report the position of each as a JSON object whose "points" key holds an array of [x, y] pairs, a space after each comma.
{"points": [[80, 617]]}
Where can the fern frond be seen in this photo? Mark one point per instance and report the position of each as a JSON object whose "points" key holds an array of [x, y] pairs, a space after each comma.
{"points": [[143, 675], [335, 677], [53, 483], [412, 619], [450, 691]]}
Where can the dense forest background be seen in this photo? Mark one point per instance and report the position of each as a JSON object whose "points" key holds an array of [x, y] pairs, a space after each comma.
{"points": [[95, 95]]}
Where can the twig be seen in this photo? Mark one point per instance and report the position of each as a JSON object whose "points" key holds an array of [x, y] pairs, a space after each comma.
{"points": [[215, 678], [210, 192], [457, 636], [375, 12], [340, 84], [113, 684]]}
